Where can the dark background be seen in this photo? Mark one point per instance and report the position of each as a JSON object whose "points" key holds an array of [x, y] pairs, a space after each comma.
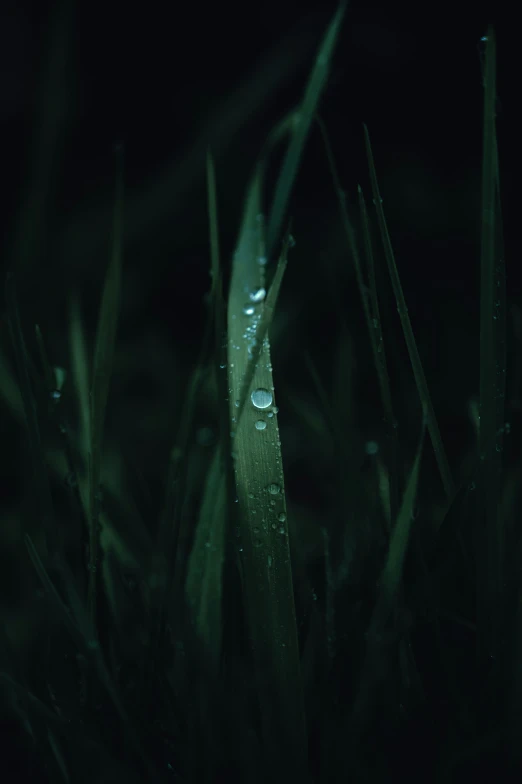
{"points": [[170, 80]]}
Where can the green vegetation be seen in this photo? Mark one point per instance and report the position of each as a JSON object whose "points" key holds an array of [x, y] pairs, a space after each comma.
{"points": [[225, 632]]}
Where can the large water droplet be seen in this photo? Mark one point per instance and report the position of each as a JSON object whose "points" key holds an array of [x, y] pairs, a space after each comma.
{"points": [[261, 398], [274, 489]]}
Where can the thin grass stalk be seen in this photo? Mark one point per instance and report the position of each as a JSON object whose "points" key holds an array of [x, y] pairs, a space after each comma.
{"points": [[418, 371], [492, 382], [371, 315], [102, 369]]}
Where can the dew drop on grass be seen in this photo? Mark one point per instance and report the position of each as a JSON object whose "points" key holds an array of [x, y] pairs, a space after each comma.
{"points": [[281, 517], [274, 489], [248, 310], [260, 425], [257, 295], [261, 398]]}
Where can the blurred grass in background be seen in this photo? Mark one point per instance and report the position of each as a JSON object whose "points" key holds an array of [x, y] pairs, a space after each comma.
{"points": [[197, 586]]}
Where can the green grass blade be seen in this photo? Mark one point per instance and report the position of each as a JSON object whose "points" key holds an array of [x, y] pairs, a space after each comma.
{"points": [[204, 585], [302, 123], [42, 490], [370, 305], [259, 478], [381, 630], [418, 371], [102, 369], [492, 379], [80, 370]]}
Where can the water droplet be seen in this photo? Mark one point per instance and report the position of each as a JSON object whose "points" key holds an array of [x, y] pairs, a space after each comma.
{"points": [[281, 530], [258, 295], [261, 398], [260, 425], [281, 517], [255, 529], [274, 488], [56, 395], [371, 447], [248, 310], [291, 241], [222, 367], [262, 261]]}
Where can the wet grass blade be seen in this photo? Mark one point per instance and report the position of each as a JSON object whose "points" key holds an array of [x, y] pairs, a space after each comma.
{"points": [[259, 478], [102, 369]]}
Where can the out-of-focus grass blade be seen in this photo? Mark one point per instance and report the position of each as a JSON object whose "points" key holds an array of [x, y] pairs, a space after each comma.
{"points": [[103, 358], [381, 628], [205, 569], [83, 633], [40, 477], [492, 380], [418, 371], [258, 468], [31, 223], [80, 370]]}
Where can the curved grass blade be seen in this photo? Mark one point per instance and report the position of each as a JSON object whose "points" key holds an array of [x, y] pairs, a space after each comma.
{"points": [[258, 469]]}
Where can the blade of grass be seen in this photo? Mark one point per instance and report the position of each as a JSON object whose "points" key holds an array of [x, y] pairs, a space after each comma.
{"points": [[42, 489], [258, 469], [492, 381], [380, 632], [102, 369], [204, 583], [418, 371], [372, 317], [302, 121]]}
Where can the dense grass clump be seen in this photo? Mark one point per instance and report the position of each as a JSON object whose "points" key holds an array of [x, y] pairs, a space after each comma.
{"points": [[233, 630]]}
